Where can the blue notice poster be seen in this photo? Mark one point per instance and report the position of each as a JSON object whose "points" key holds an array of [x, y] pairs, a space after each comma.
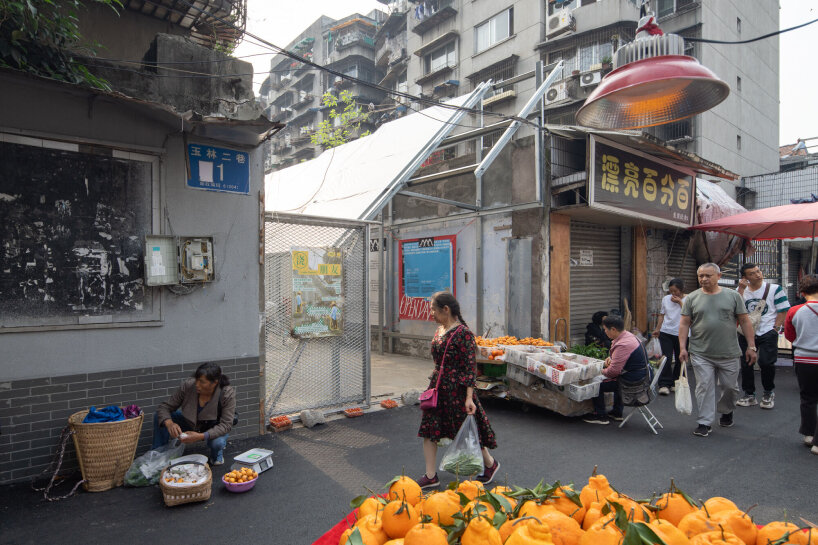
{"points": [[427, 266], [218, 169]]}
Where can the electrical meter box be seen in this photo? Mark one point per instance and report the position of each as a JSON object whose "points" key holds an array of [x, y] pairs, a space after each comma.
{"points": [[178, 260]]}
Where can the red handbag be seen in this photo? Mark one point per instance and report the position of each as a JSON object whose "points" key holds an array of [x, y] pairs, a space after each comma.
{"points": [[428, 398]]}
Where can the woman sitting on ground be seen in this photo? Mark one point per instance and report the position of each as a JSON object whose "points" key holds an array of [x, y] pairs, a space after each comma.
{"points": [[201, 409]]}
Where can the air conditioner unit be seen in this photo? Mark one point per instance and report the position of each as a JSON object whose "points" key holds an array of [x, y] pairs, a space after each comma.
{"points": [[302, 95], [589, 79], [559, 23], [556, 93]]}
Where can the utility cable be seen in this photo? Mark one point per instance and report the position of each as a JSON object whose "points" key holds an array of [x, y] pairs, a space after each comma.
{"points": [[341, 75], [771, 34]]}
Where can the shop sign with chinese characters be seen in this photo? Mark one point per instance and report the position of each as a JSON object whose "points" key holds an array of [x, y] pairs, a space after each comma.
{"points": [[218, 169], [632, 183]]}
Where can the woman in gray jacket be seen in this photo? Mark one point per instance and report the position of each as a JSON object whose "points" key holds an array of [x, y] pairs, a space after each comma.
{"points": [[201, 409]]}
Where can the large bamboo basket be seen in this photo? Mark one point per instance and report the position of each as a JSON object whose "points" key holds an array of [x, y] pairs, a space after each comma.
{"points": [[105, 449]]}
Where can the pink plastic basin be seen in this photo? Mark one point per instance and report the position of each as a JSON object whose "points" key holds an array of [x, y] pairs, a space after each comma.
{"points": [[240, 487]]}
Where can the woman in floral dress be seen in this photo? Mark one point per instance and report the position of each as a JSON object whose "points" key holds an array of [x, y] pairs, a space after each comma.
{"points": [[455, 398]]}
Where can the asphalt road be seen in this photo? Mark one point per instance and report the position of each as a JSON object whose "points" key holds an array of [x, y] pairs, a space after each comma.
{"points": [[317, 471]]}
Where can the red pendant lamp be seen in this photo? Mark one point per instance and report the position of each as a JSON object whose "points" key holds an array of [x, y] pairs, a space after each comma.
{"points": [[653, 82]]}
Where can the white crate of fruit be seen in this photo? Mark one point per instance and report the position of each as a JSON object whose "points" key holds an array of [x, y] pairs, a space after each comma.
{"points": [[591, 367], [546, 367], [518, 354], [520, 374], [584, 389]]}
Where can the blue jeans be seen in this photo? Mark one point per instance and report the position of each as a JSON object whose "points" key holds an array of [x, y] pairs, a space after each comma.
{"points": [[162, 437]]}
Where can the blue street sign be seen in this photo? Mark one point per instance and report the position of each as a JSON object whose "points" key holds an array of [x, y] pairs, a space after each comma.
{"points": [[218, 169]]}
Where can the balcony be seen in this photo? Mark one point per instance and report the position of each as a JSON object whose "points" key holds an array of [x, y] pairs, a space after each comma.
{"points": [[445, 69], [392, 50], [211, 23], [431, 14], [351, 39], [302, 99]]}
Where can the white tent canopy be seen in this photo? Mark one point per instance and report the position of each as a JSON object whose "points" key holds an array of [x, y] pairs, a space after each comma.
{"points": [[355, 180]]}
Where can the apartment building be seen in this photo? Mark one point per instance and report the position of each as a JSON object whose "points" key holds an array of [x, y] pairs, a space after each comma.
{"points": [[457, 43], [294, 89]]}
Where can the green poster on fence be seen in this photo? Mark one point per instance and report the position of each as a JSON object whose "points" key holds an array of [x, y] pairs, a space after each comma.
{"points": [[318, 299]]}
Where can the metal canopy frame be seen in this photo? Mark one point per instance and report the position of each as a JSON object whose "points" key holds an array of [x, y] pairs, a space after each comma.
{"points": [[478, 169]]}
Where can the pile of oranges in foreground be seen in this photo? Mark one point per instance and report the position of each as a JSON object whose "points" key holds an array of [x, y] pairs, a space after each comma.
{"points": [[556, 515], [242, 475], [511, 341]]}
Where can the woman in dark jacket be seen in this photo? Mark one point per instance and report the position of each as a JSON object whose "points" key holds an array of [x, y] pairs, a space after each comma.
{"points": [[201, 409], [594, 333]]}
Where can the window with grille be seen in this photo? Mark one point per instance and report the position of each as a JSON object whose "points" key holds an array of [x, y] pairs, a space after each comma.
{"points": [[440, 58], [495, 30], [497, 72]]}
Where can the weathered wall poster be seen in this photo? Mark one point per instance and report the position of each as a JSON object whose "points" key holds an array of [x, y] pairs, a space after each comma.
{"points": [[318, 299], [426, 266], [628, 182], [72, 226]]}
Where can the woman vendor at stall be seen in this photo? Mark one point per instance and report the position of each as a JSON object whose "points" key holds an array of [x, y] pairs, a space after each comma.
{"points": [[201, 409]]}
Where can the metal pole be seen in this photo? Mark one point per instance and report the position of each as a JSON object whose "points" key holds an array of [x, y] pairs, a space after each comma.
{"points": [[478, 238], [812, 268], [381, 287], [390, 298], [538, 137]]}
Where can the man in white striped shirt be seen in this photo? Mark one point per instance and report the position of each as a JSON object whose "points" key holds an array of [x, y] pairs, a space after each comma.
{"points": [[773, 301]]}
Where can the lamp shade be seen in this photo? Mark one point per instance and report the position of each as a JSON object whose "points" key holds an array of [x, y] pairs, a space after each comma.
{"points": [[652, 91]]}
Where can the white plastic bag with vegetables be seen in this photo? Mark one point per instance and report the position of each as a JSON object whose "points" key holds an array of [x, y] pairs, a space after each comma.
{"points": [[464, 456], [146, 469]]}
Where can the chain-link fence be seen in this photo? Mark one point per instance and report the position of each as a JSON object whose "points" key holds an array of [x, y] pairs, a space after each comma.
{"points": [[314, 372]]}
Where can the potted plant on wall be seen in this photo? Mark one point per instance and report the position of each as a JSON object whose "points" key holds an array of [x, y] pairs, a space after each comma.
{"points": [[607, 64]]}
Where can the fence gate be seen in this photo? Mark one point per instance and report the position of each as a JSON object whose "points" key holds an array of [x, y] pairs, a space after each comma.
{"points": [[303, 372]]}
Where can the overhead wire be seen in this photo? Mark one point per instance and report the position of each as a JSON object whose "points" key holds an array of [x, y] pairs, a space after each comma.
{"points": [[341, 75], [751, 40]]}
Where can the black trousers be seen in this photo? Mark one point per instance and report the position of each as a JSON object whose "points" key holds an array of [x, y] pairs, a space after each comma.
{"points": [[599, 401], [670, 350], [807, 374], [767, 345]]}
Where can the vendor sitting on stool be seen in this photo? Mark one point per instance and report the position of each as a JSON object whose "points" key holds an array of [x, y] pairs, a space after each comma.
{"points": [[202, 408], [627, 361]]}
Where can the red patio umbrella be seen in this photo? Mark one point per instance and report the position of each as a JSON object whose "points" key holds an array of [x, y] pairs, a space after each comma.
{"points": [[777, 222]]}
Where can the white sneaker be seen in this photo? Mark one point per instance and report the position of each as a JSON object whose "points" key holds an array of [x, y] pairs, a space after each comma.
{"points": [[768, 401], [664, 391], [747, 401], [814, 450], [808, 440]]}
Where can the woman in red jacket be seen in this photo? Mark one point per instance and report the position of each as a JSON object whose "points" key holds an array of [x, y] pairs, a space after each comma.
{"points": [[801, 329]]}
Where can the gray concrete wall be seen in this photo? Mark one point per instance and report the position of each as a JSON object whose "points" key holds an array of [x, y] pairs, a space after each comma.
{"points": [[49, 374], [751, 113], [99, 23], [217, 321]]}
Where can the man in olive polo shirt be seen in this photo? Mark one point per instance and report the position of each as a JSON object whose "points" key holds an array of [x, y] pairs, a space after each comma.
{"points": [[710, 314]]}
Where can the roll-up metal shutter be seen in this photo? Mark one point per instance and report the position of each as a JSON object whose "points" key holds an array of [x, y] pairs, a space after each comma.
{"points": [[680, 267], [593, 286]]}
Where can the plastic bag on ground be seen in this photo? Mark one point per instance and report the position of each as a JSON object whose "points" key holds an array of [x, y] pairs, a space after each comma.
{"points": [[654, 349], [464, 457], [147, 469]]}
